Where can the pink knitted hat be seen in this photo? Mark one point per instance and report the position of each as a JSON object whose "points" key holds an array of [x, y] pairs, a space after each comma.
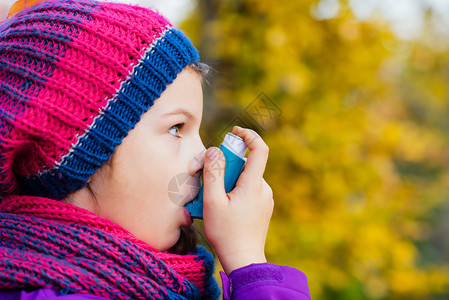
{"points": [[75, 78]]}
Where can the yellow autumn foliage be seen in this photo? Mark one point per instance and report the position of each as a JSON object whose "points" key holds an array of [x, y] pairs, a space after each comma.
{"points": [[358, 135]]}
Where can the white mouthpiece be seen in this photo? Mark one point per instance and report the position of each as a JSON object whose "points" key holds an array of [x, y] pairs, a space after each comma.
{"points": [[236, 144]]}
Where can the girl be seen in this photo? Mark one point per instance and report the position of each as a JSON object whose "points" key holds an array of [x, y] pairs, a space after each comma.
{"points": [[100, 108]]}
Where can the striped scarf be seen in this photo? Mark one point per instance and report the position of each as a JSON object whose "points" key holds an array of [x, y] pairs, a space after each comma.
{"points": [[50, 244]]}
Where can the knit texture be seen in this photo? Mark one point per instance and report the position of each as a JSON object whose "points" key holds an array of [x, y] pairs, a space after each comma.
{"points": [[75, 78], [46, 243]]}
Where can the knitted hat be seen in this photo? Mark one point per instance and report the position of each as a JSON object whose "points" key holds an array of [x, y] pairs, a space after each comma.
{"points": [[75, 78]]}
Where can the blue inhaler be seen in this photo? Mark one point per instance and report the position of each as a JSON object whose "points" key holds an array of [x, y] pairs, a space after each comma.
{"points": [[234, 149]]}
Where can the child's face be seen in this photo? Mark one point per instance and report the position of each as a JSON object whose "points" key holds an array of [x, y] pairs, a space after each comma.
{"points": [[133, 189]]}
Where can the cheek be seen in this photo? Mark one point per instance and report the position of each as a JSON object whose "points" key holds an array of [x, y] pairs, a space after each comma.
{"points": [[144, 160], [146, 165], [152, 172]]}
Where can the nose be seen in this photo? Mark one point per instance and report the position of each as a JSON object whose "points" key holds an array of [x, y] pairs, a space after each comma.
{"points": [[197, 164]]}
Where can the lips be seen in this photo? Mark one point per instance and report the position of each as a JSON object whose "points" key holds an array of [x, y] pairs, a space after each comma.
{"points": [[188, 217]]}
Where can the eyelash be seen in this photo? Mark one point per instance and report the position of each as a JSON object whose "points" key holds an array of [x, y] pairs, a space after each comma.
{"points": [[179, 126]]}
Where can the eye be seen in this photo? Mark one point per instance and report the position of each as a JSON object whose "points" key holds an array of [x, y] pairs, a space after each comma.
{"points": [[176, 129]]}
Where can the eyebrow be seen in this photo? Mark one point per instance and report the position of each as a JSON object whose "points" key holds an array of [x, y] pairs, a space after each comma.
{"points": [[178, 112]]}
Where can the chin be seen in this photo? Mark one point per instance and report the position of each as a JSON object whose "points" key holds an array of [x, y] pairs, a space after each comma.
{"points": [[186, 241], [169, 242]]}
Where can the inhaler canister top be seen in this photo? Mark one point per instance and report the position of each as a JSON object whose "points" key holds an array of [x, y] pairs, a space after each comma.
{"points": [[235, 144]]}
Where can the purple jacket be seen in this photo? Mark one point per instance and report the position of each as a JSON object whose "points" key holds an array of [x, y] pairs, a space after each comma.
{"points": [[256, 281]]}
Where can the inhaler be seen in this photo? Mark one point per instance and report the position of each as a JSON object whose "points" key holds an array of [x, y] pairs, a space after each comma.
{"points": [[234, 149]]}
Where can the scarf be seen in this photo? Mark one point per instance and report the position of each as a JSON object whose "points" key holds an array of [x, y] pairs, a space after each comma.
{"points": [[46, 243]]}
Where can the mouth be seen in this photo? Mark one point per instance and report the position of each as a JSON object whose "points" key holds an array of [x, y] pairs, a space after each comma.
{"points": [[188, 217]]}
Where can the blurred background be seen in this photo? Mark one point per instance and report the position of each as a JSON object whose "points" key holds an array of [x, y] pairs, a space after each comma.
{"points": [[352, 98]]}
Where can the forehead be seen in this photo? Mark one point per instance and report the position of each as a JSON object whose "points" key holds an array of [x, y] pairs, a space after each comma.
{"points": [[183, 96]]}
